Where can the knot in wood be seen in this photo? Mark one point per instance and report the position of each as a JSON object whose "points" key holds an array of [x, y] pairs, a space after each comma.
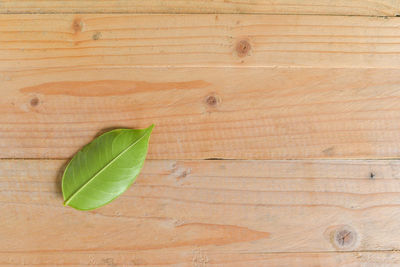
{"points": [[345, 237], [34, 101], [96, 36], [243, 48], [211, 100], [77, 25]]}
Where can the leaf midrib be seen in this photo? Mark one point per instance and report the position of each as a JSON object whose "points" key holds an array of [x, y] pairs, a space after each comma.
{"points": [[102, 169]]}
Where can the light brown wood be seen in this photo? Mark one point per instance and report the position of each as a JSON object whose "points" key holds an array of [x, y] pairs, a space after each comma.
{"points": [[231, 86], [207, 212], [232, 113], [337, 7], [196, 257], [33, 43]]}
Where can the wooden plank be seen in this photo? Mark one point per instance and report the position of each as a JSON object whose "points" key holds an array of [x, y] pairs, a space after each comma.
{"points": [[338, 7], [200, 258], [54, 42], [236, 113], [192, 211]]}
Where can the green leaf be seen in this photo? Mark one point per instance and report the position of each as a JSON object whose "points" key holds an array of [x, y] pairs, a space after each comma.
{"points": [[105, 168]]}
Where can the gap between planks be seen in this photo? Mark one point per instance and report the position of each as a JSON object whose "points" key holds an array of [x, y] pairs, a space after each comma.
{"points": [[195, 13]]}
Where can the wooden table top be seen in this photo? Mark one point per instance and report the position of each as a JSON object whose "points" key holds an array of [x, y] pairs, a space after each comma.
{"points": [[276, 139]]}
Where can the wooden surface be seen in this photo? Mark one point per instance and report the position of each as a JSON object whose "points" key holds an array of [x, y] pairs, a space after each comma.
{"points": [[199, 258], [191, 212], [34, 43], [258, 113], [337, 7], [196, 78], [276, 142]]}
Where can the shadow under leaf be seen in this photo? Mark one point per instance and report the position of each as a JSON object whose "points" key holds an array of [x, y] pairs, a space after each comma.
{"points": [[58, 183]]}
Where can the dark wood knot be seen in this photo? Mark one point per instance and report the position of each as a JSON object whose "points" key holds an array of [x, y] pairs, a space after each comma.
{"points": [[34, 101], [243, 48]]}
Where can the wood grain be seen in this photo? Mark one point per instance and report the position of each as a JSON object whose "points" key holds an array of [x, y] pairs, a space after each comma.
{"points": [[199, 113], [186, 257], [207, 212], [54, 42], [267, 80], [337, 7]]}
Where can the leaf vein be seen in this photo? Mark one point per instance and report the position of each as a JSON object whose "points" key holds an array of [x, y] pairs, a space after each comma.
{"points": [[67, 201]]}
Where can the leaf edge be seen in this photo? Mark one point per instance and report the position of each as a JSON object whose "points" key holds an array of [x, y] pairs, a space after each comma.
{"points": [[149, 130]]}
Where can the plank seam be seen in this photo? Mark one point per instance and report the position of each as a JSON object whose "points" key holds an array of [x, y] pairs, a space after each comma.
{"points": [[194, 13], [228, 159], [219, 252]]}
